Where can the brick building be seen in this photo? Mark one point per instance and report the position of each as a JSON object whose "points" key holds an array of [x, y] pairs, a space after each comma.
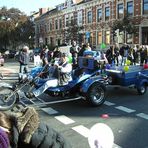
{"points": [[93, 20]]}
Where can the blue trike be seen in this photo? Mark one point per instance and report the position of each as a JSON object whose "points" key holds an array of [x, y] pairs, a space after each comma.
{"points": [[88, 83]]}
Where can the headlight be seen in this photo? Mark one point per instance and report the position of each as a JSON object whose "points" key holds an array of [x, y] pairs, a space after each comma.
{"points": [[30, 78]]}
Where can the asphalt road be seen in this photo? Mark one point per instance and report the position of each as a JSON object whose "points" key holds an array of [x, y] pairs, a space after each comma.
{"points": [[127, 117]]}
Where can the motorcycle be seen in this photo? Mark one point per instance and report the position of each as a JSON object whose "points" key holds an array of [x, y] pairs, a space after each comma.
{"points": [[10, 94]]}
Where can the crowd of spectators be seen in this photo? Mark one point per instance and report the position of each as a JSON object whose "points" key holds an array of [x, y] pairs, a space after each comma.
{"points": [[136, 54]]}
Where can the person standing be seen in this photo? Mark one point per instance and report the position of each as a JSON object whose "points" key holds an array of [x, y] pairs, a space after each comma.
{"points": [[24, 60], [37, 59], [124, 53], [143, 55], [109, 54], [116, 54], [81, 51], [57, 53], [44, 55], [135, 54], [74, 53], [88, 46]]}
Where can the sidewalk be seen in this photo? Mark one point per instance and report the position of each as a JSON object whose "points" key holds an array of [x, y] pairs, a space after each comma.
{"points": [[7, 71], [11, 66]]}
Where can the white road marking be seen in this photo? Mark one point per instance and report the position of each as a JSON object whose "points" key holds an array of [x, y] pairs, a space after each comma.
{"points": [[82, 130], [64, 119], [109, 103], [116, 146], [125, 109], [49, 111], [142, 115]]}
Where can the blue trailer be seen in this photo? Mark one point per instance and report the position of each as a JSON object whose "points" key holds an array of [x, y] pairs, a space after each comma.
{"points": [[136, 76]]}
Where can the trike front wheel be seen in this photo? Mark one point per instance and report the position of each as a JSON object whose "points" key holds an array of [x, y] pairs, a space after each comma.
{"points": [[7, 98], [96, 94]]}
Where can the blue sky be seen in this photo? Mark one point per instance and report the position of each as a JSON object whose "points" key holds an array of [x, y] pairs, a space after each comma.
{"points": [[30, 5]]}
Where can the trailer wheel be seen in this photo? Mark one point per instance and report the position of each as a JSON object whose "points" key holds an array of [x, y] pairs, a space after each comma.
{"points": [[142, 89], [96, 94]]}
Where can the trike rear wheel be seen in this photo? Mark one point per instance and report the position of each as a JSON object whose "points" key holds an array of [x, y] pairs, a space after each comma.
{"points": [[96, 94], [7, 98]]}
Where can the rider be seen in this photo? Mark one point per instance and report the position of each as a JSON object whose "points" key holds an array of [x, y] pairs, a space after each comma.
{"points": [[24, 59], [61, 76]]}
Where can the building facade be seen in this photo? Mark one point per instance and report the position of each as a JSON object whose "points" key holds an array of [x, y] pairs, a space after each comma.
{"points": [[92, 21]]}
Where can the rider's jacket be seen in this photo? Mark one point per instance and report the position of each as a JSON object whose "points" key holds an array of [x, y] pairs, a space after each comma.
{"points": [[63, 73]]}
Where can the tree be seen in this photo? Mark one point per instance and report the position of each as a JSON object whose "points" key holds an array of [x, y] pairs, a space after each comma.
{"points": [[125, 25], [15, 28], [73, 32]]}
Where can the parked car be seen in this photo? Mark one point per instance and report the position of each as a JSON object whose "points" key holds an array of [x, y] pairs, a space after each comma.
{"points": [[1, 60], [12, 53]]}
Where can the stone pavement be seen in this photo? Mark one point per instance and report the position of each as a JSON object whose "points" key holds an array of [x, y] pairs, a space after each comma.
{"points": [[10, 70]]}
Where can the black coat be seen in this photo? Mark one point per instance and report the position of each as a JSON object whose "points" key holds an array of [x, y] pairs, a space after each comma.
{"points": [[29, 132], [43, 137]]}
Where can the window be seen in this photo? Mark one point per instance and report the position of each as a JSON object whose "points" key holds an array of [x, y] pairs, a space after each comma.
{"points": [[121, 37], [130, 9], [56, 24], [72, 20], [40, 28], [107, 13], [50, 26], [60, 23], [107, 37], [129, 38], [120, 11], [45, 27], [37, 29], [69, 3], [67, 21], [145, 6], [89, 17], [80, 18], [99, 37], [99, 15]]}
